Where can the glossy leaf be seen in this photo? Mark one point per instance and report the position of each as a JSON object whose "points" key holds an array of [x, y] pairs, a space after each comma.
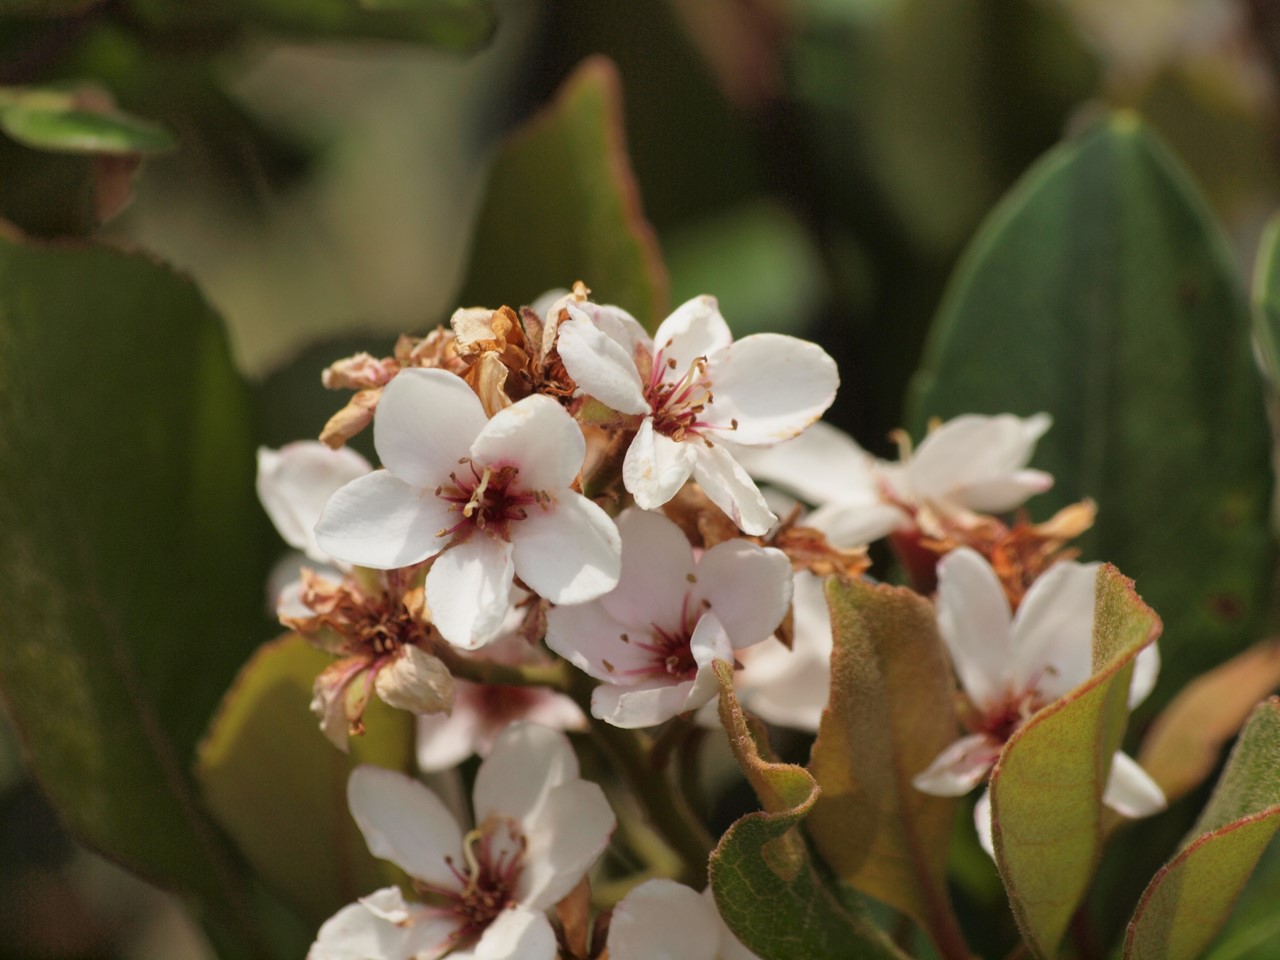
{"points": [[1189, 900], [890, 714], [1101, 291], [562, 205], [293, 826], [78, 131], [132, 560], [1046, 788], [768, 891]]}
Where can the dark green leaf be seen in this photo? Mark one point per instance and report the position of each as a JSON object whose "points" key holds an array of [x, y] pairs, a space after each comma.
{"points": [[131, 552], [1101, 291], [1266, 300]]}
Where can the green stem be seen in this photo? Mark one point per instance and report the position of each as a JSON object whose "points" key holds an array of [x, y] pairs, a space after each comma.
{"points": [[554, 675]]}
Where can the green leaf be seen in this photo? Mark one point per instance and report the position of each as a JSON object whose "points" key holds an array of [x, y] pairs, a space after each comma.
{"points": [[78, 131], [1266, 299], [562, 205], [459, 25], [891, 712], [767, 888], [293, 826], [1190, 899], [131, 553], [1046, 788], [1101, 291]]}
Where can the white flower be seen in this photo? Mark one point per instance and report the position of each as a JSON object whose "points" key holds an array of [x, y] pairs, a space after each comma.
{"points": [[654, 638], [697, 389], [971, 463], [664, 920], [491, 497], [539, 828], [1011, 665]]}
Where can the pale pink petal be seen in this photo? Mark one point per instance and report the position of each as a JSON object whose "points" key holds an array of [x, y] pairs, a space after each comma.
{"points": [[1130, 789], [694, 329], [850, 524], [296, 481], [288, 596], [555, 710], [772, 385], [655, 467], [1146, 670], [974, 619], [404, 822], [664, 920], [960, 767], [379, 521], [1053, 630], [730, 488], [517, 933], [1004, 494], [621, 327], [445, 740], [708, 644], [536, 436], [415, 681], [603, 368], [971, 451], [982, 821], [747, 587], [329, 695], [426, 422], [821, 465], [469, 589], [643, 705], [657, 571], [590, 639], [526, 763], [565, 836], [362, 932], [569, 554]]}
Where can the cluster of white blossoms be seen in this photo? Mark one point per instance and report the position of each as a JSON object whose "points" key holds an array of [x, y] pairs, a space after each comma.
{"points": [[557, 487]]}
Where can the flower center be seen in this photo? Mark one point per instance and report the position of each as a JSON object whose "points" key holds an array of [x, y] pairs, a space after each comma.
{"points": [[678, 404], [493, 855], [670, 651], [488, 499]]}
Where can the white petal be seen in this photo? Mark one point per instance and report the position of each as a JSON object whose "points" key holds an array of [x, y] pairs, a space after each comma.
{"points": [[982, 821], [601, 367], [569, 554], [527, 762], [380, 521], [1146, 670], [974, 619], [296, 481], [566, 836], [787, 688], [731, 489], [664, 920], [656, 466], [590, 639], [1053, 630], [970, 452], [537, 436], [643, 705], [416, 681], [517, 934], [1006, 493], [694, 329], [469, 589], [747, 587], [960, 767], [708, 644], [357, 932], [657, 571], [404, 822], [445, 740], [821, 465], [1130, 789], [855, 524], [426, 422], [772, 385]]}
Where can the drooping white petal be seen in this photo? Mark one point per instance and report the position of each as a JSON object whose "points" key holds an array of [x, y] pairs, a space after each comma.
{"points": [[296, 481], [1130, 790], [404, 822], [982, 821], [380, 521], [772, 385], [468, 590], [960, 767], [1146, 670], [603, 368], [1006, 493], [1053, 630], [850, 524], [445, 740], [416, 681], [569, 554], [565, 837], [643, 705], [526, 763], [731, 489], [971, 451], [708, 644], [426, 422], [517, 933], [657, 567], [821, 465], [664, 920], [655, 467], [361, 931], [694, 329], [590, 639], [747, 587], [975, 623], [536, 436]]}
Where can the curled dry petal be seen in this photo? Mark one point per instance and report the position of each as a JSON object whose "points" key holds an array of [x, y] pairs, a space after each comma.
{"points": [[417, 682]]}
